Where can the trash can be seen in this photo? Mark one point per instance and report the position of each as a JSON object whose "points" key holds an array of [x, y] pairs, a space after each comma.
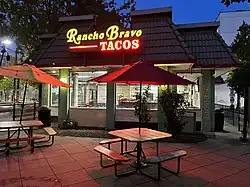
{"points": [[219, 120], [44, 116]]}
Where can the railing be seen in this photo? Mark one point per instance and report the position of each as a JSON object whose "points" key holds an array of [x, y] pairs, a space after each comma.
{"points": [[236, 116], [29, 111]]}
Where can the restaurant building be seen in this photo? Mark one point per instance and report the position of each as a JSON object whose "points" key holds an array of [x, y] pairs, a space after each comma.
{"points": [[79, 52]]}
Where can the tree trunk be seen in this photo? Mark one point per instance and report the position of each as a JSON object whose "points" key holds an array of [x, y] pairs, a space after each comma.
{"points": [[5, 96], [238, 101], [244, 132]]}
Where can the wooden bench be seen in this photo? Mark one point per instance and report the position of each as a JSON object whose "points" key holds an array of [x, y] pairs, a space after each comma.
{"points": [[169, 156], [115, 140], [22, 139], [111, 141], [51, 133], [17, 130], [116, 157], [14, 129]]}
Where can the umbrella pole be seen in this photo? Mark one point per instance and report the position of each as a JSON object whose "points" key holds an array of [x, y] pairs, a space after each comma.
{"points": [[21, 117], [24, 95], [140, 108]]}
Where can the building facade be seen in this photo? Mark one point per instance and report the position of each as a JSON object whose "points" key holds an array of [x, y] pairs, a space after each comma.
{"points": [[79, 52]]}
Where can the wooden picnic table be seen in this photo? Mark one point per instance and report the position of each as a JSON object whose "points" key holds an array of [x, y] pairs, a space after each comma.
{"points": [[146, 135], [132, 135], [15, 126]]}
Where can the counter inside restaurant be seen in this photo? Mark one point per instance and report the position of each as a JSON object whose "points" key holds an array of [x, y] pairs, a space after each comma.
{"points": [[96, 117]]}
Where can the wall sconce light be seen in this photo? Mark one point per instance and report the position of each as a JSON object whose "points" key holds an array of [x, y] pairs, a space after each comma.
{"points": [[64, 80]]}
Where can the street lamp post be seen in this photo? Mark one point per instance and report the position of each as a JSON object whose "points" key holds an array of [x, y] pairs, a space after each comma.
{"points": [[3, 51]]}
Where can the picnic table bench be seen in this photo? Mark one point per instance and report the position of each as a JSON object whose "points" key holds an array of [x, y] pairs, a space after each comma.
{"points": [[133, 135], [25, 126], [116, 157], [22, 139], [51, 133], [169, 156], [115, 140]]}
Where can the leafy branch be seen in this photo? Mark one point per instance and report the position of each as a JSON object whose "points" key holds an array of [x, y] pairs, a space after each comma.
{"points": [[144, 113]]}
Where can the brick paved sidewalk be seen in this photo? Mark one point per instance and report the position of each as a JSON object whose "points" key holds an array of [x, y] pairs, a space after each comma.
{"points": [[72, 162]]}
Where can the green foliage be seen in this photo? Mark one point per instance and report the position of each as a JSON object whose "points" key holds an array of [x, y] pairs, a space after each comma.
{"points": [[241, 43], [174, 107], [34, 85], [229, 2], [239, 78], [144, 114], [26, 19], [6, 84]]}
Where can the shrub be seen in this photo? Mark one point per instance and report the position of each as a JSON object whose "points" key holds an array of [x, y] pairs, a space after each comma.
{"points": [[173, 106], [145, 111]]}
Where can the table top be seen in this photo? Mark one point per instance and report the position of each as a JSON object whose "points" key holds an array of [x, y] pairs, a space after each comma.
{"points": [[145, 135], [16, 124]]}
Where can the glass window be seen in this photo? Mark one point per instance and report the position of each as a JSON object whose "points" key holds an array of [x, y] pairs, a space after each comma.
{"points": [[87, 94], [125, 95], [191, 94], [54, 95]]}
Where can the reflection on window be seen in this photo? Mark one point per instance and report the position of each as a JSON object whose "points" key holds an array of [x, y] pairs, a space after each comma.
{"points": [[191, 94], [125, 95], [87, 94], [54, 95]]}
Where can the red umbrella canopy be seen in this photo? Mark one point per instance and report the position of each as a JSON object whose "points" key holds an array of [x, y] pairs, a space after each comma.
{"points": [[31, 73], [142, 72]]}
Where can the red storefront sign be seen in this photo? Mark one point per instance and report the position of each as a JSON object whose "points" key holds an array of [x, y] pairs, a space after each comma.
{"points": [[111, 40]]}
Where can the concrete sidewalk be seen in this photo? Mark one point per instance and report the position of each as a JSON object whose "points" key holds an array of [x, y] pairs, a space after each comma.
{"points": [[72, 162]]}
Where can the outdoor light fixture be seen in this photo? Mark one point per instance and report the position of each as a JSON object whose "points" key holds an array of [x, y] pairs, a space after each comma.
{"points": [[6, 42], [100, 72], [64, 80], [3, 51]]}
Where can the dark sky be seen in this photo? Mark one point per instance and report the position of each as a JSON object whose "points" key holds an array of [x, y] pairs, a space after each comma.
{"points": [[185, 11]]}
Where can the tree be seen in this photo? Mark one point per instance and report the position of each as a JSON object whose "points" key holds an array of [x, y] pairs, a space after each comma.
{"points": [[229, 2], [142, 110], [6, 85], [238, 79], [174, 107], [26, 19]]}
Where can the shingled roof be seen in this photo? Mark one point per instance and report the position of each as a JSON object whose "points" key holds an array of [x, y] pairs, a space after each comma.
{"points": [[162, 42], [207, 46]]}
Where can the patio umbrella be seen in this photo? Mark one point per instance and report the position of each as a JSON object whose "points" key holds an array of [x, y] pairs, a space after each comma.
{"points": [[27, 73], [141, 73]]}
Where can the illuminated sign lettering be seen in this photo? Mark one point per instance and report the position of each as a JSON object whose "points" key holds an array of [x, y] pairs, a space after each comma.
{"points": [[113, 39]]}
